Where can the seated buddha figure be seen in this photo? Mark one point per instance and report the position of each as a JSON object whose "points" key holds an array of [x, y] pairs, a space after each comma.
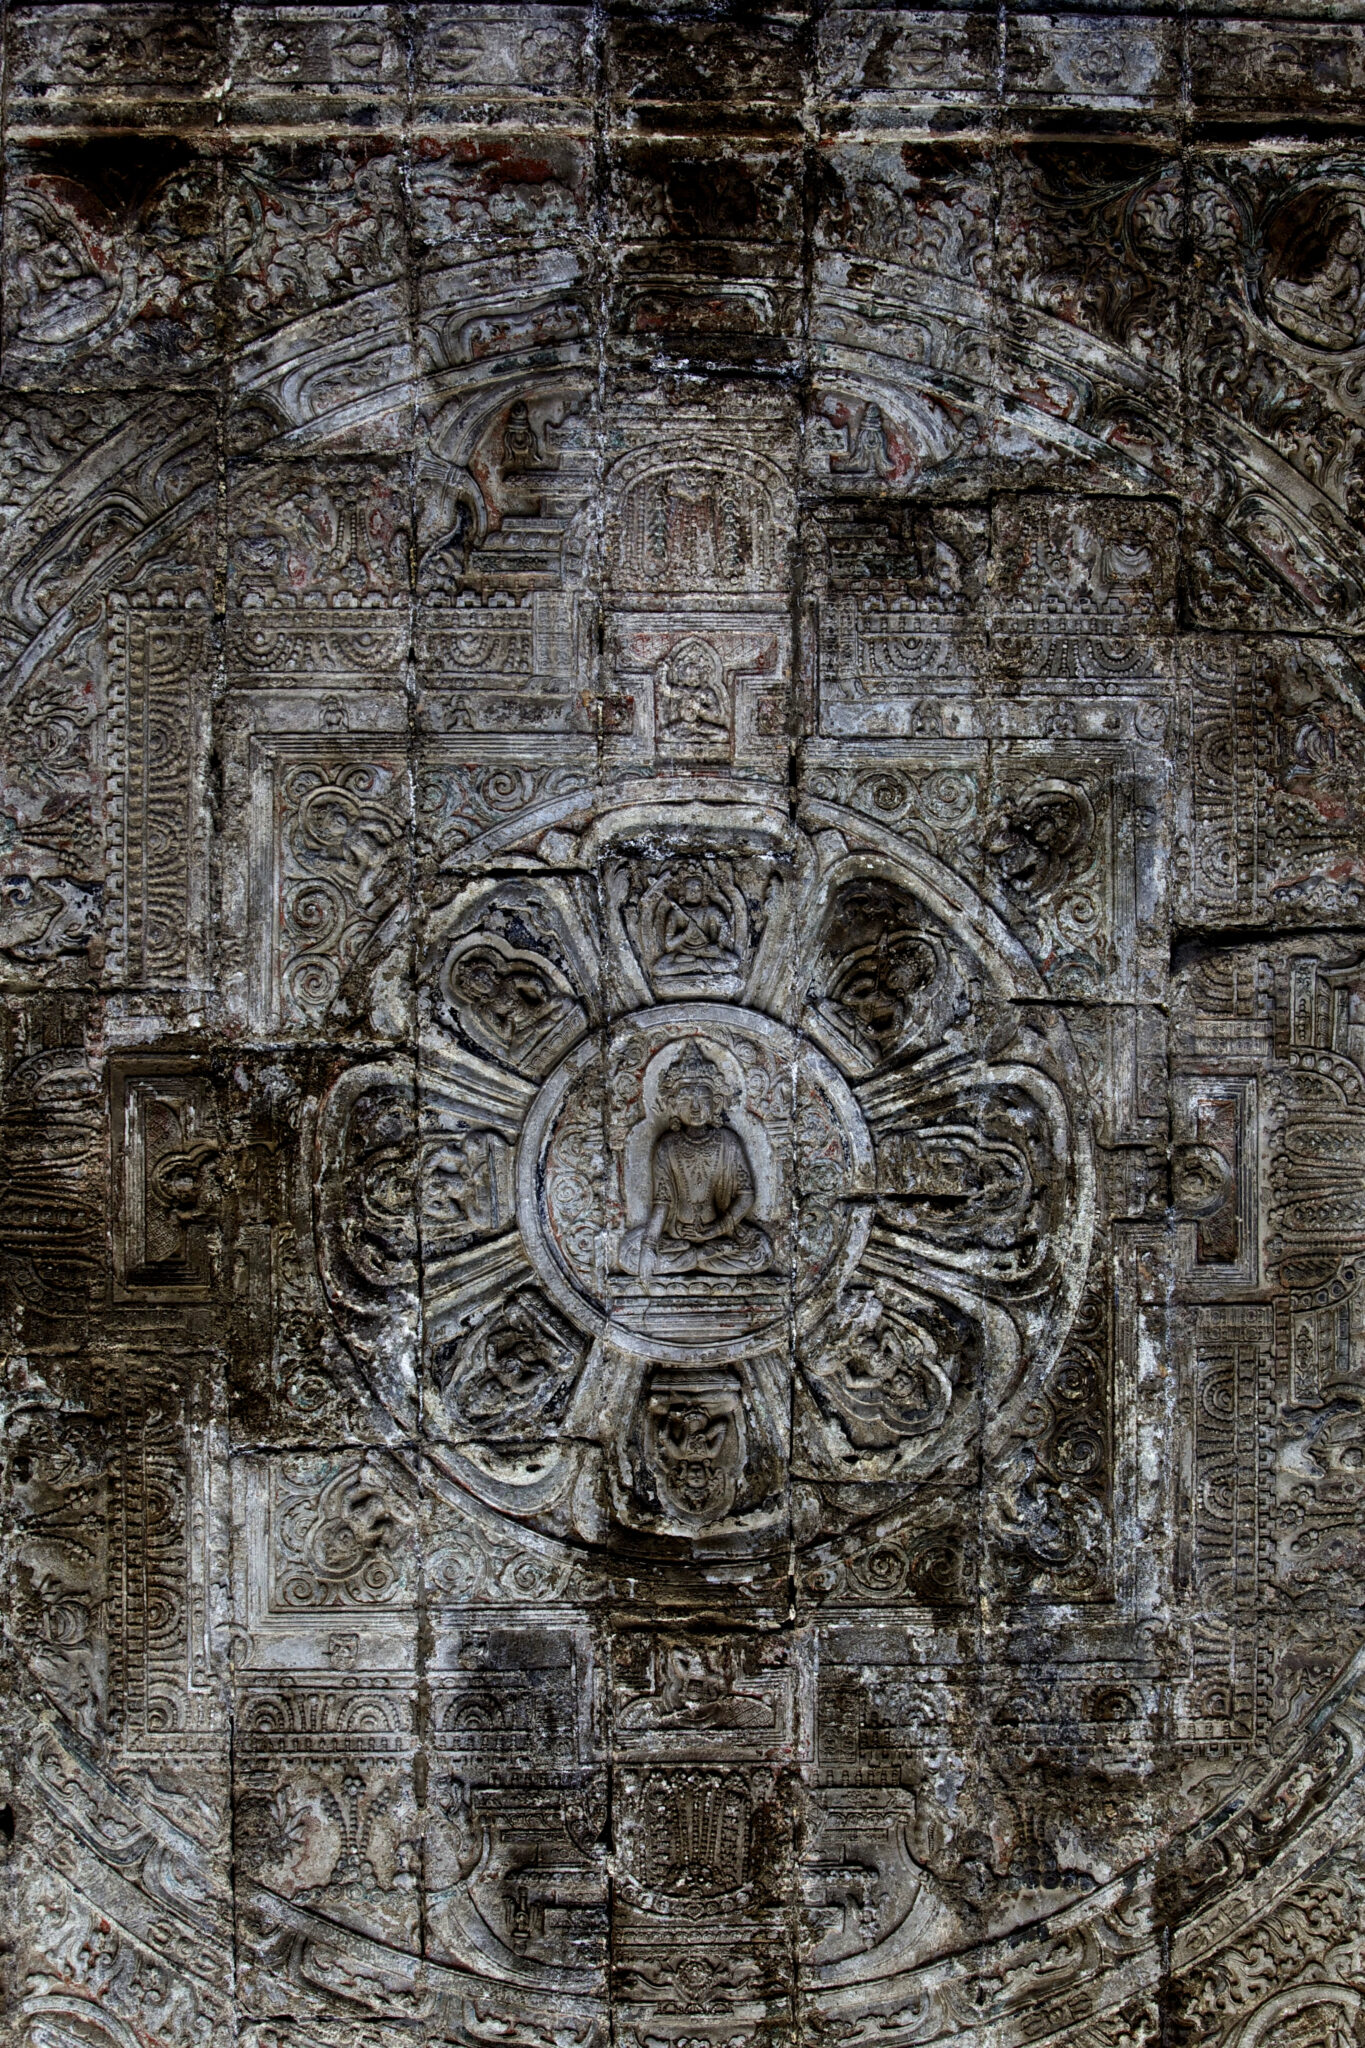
{"points": [[1326, 309], [701, 1184]]}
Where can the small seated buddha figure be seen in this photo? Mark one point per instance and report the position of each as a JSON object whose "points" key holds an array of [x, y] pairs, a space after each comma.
{"points": [[520, 442], [1327, 308], [701, 1185], [697, 927]]}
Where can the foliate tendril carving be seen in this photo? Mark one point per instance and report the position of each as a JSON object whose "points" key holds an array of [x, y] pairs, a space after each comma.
{"points": [[342, 1534], [345, 844]]}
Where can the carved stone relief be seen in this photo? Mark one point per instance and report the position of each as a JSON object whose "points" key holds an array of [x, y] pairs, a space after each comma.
{"points": [[682, 1074]]}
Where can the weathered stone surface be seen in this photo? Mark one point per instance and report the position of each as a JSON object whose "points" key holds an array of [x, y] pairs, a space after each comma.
{"points": [[682, 1077]]}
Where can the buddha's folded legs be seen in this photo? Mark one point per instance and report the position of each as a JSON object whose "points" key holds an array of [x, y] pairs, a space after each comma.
{"points": [[749, 1250]]}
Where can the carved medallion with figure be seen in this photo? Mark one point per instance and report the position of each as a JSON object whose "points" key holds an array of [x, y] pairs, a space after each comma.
{"points": [[632, 1197]]}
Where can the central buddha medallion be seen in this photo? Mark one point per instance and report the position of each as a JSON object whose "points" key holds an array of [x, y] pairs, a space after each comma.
{"points": [[734, 1150], [689, 1180]]}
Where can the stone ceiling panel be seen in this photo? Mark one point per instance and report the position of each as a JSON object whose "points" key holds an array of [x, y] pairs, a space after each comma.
{"points": [[682, 1078]]}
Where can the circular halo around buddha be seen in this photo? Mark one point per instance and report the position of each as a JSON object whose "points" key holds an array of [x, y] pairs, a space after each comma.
{"points": [[691, 1180]]}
